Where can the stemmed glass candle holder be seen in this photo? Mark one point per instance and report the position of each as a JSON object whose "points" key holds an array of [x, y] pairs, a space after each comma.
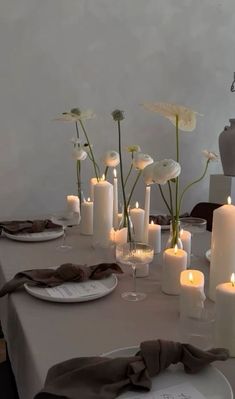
{"points": [[134, 254], [66, 219]]}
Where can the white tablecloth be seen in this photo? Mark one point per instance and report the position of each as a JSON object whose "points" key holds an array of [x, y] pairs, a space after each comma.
{"points": [[40, 334]]}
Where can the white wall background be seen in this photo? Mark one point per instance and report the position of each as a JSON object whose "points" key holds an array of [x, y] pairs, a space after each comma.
{"points": [[103, 54]]}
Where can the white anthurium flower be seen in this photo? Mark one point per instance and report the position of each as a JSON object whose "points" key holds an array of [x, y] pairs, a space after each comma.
{"points": [[79, 154], [111, 159], [141, 160], [162, 171], [210, 155], [76, 115], [187, 117]]}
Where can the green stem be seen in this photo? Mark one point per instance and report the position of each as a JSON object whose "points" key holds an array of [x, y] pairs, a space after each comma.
{"points": [[164, 198], [77, 131], [194, 182], [177, 179], [128, 175], [126, 218], [133, 188], [89, 156], [106, 171], [171, 199], [79, 180], [90, 149]]}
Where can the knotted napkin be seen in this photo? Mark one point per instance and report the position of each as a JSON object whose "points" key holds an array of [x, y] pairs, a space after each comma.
{"points": [[28, 226], [67, 272], [106, 378]]}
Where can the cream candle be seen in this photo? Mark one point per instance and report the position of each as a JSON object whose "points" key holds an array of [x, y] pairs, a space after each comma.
{"points": [[87, 217], [118, 236], [222, 246], [192, 294], [186, 237], [154, 237], [93, 182], [73, 203], [115, 200], [174, 262], [225, 316], [137, 218], [103, 213], [146, 213]]}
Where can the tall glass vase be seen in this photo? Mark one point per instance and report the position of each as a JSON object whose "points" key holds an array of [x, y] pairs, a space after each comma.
{"points": [[126, 222], [174, 237]]}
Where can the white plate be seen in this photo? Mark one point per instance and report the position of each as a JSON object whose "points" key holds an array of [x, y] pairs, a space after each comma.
{"points": [[71, 293], [208, 255], [210, 382], [35, 237]]}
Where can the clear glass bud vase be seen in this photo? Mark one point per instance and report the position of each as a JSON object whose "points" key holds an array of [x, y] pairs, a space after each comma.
{"points": [[174, 237], [126, 222]]}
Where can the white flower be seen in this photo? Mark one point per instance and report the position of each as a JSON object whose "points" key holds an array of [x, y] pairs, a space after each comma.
{"points": [[141, 160], [75, 141], [79, 154], [111, 159], [187, 117], [76, 115], [133, 148], [210, 156], [162, 171]]}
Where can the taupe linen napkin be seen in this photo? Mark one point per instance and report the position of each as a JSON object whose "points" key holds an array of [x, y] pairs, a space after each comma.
{"points": [[67, 272], [28, 226], [164, 220], [105, 378]]}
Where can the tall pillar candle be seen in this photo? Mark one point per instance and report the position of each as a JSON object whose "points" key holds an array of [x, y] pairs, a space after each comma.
{"points": [[137, 218], [192, 296], [73, 203], [115, 200], [146, 213], [103, 213], [186, 238], [225, 316], [87, 217], [154, 237], [222, 246], [174, 262], [93, 182]]}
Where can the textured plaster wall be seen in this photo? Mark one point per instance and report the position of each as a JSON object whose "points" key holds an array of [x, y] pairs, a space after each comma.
{"points": [[103, 54]]}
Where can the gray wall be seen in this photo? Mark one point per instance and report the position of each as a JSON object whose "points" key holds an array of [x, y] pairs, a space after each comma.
{"points": [[103, 54]]}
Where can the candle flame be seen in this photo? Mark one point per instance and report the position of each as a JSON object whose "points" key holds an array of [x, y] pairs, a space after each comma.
{"points": [[190, 277], [115, 172], [181, 232], [88, 199], [137, 205], [152, 222], [103, 177], [229, 200], [232, 279], [176, 249]]}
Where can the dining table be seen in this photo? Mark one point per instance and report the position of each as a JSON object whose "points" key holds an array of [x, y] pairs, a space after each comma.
{"points": [[40, 334]]}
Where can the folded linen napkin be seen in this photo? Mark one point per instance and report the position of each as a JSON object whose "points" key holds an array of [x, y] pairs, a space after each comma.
{"points": [[67, 272], [164, 220], [106, 378], [28, 226]]}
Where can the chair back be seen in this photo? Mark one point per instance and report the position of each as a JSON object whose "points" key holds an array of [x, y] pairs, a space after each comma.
{"points": [[205, 210]]}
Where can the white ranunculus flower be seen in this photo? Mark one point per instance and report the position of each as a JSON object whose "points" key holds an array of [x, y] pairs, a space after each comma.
{"points": [[79, 154], [111, 159], [187, 117], [141, 160], [162, 171], [76, 115], [133, 148], [210, 155]]}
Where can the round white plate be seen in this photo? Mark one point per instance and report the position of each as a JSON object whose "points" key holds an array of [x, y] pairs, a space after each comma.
{"points": [[35, 237], [109, 284], [208, 255], [210, 382]]}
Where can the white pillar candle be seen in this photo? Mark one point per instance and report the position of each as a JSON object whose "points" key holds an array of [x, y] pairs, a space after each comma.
{"points": [[154, 237], [103, 213], [225, 316], [87, 217], [115, 200], [186, 237], [146, 213], [222, 246], [93, 182], [73, 203], [137, 218], [174, 262], [192, 296], [118, 236]]}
